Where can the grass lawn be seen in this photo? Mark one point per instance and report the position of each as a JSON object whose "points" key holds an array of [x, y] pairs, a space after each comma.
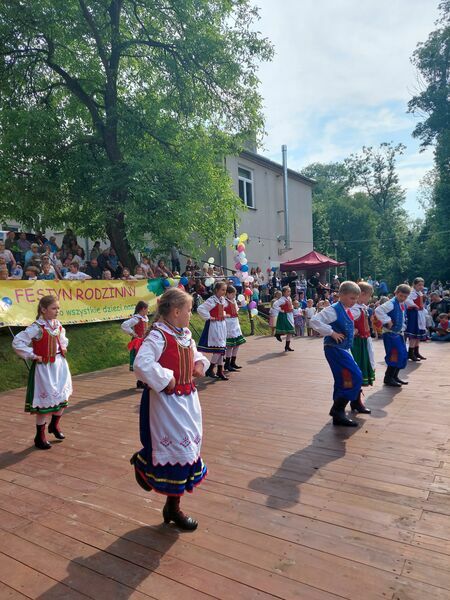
{"points": [[92, 347]]}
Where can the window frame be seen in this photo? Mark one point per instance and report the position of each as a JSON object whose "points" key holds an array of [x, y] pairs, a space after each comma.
{"points": [[246, 181]]}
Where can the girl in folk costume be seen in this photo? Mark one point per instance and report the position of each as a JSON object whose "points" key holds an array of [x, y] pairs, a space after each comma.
{"points": [[49, 382], [362, 348], [214, 336], [416, 328], [285, 319], [170, 413], [234, 332], [136, 327], [273, 312]]}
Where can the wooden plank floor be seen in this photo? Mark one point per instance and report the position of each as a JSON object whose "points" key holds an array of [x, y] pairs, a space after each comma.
{"points": [[292, 507]]}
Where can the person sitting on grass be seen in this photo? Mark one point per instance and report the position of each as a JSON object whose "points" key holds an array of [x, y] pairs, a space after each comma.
{"points": [[442, 333]]}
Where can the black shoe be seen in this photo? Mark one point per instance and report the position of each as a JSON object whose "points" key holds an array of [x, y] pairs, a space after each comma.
{"points": [[359, 406], [210, 372], [54, 428], [226, 365], [412, 356], [278, 337], [417, 355], [172, 512], [397, 378], [40, 441], [288, 348], [220, 374], [140, 385], [233, 363], [338, 413]]}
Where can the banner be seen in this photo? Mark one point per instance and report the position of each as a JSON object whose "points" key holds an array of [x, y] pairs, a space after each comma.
{"points": [[80, 301]]}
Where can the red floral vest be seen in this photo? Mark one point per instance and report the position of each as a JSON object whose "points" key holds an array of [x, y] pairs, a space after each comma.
{"points": [[418, 302], [140, 328], [48, 345], [287, 307], [231, 309], [180, 360], [362, 324], [217, 312]]}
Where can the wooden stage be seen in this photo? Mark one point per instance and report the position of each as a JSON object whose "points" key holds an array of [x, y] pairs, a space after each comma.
{"points": [[292, 507]]}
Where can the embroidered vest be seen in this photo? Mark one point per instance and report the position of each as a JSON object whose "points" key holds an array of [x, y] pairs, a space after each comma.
{"points": [[231, 309], [140, 328], [397, 316], [180, 359], [418, 301], [343, 324], [217, 312], [48, 345], [362, 324], [287, 306]]}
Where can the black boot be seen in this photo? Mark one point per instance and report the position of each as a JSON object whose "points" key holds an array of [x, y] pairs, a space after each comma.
{"points": [[389, 378], [397, 378], [210, 372], [359, 406], [221, 374], [233, 363], [40, 441], [278, 337], [412, 355], [140, 385], [172, 512], [417, 355], [54, 428], [288, 348], [139, 478], [338, 413], [228, 366]]}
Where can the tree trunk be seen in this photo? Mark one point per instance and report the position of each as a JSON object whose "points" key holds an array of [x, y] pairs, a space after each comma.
{"points": [[115, 230]]}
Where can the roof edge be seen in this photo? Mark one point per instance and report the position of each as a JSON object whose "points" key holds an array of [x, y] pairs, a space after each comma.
{"points": [[267, 162]]}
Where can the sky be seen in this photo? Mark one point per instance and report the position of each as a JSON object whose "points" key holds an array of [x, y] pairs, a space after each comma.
{"points": [[341, 79]]}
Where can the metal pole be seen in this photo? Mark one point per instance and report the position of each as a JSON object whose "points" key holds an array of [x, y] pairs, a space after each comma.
{"points": [[285, 197]]}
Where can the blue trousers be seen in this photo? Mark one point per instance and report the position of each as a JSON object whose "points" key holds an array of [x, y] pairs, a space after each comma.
{"points": [[395, 347], [347, 375]]}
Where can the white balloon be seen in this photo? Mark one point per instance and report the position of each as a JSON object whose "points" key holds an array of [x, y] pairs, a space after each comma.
{"points": [[211, 260], [254, 312], [246, 277], [243, 261], [209, 282], [250, 279], [241, 298], [242, 254]]}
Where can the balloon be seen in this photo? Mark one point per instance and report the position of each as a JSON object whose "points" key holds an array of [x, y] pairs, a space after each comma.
{"points": [[166, 283], [244, 268], [243, 261], [181, 287], [209, 282], [274, 269], [250, 279], [184, 281], [155, 286], [248, 292], [268, 269], [237, 266], [236, 241], [252, 304], [241, 255], [245, 277], [172, 281], [241, 247], [211, 260], [254, 312], [243, 237], [7, 300], [241, 298]]}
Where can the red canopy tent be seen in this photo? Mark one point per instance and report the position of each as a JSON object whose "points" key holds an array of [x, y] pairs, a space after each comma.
{"points": [[311, 261]]}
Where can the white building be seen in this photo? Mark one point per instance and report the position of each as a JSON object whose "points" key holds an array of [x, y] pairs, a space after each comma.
{"points": [[259, 183]]}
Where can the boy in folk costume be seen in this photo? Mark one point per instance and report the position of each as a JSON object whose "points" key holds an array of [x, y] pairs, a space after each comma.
{"points": [[136, 327], [416, 327], [336, 324], [214, 336], [285, 318], [392, 316], [362, 348], [171, 433], [234, 332], [49, 382]]}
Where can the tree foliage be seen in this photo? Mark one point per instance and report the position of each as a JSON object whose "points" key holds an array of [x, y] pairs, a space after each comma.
{"points": [[115, 115]]}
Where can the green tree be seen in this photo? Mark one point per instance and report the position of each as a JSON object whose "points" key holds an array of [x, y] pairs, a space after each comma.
{"points": [[115, 115], [432, 103]]}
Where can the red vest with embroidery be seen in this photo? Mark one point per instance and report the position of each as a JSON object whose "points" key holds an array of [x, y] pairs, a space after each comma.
{"points": [[418, 301], [287, 307], [180, 360], [231, 309], [48, 345], [362, 325], [140, 327], [217, 312]]}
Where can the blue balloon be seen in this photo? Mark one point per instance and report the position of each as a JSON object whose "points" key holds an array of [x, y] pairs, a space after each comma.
{"points": [[274, 269], [184, 281], [244, 268], [7, 300], [166, 283]]}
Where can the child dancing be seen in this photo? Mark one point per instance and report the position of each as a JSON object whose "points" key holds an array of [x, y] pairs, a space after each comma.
{"points": [[49, 382], [170, 415], [234, 332]]}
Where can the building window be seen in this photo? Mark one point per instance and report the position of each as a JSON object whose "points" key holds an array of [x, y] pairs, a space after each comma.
{"points": [[246, 187]]}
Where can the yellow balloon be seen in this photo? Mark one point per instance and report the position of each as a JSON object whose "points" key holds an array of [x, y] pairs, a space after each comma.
{"points": [[243, 237]]}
